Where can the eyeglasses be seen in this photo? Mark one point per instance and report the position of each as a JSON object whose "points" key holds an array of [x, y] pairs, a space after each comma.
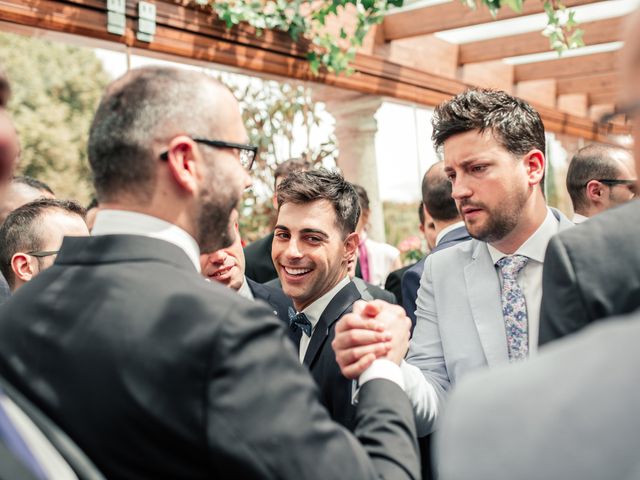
{"points": [[43, 253], [247, 153], [611, 182]]}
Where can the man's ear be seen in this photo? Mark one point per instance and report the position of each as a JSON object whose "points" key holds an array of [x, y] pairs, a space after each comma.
{"points": [[351, 245], [594, 191], [183, 160], [22, 267], [534, 163]]}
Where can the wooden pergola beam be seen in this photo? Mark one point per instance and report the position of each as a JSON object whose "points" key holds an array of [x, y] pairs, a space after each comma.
{"points": [[597, 82], [567, 67], [196, 34], [450, 15], [599, 31]]}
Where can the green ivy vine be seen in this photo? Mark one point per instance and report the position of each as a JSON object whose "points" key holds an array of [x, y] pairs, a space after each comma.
{"points": [[307, 19]]}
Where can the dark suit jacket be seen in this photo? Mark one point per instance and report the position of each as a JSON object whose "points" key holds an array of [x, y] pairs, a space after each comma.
{"points": [[336, 391], [591, 272], [411, 278], [155, 373], [13, 468], [275, 297], [394, 282], [258, 264]]}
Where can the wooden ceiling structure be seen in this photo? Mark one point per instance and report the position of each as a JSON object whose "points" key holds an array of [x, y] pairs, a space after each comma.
{"points": [[402, 59]]}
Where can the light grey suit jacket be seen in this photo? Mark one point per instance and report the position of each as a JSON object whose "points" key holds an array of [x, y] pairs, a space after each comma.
{"points": [[460, 327], [571, 413]]}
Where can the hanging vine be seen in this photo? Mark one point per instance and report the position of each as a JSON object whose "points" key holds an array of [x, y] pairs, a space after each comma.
{"points": [[335, 51]]}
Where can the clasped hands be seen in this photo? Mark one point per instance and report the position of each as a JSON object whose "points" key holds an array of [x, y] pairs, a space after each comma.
{"points": [[373, 330]]}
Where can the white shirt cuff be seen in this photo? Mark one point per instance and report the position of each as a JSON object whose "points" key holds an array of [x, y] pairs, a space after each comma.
{"points": [[383, 368]]}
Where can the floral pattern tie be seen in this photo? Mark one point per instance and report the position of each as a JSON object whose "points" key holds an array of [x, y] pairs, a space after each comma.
{"points": [[514, 307]]}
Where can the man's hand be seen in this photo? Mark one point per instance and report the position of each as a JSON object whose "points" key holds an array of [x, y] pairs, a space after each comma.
{"points": [[374, 330]]}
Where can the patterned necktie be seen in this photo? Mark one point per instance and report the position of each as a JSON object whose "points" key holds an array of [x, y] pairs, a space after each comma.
{"points": [[300, 320], [514, 307]]}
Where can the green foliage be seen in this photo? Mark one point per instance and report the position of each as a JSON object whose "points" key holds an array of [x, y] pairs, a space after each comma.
{"points": [[303, 18], [562, 28], [401, 224], [334, 52], [56, 89], [561, 24]]}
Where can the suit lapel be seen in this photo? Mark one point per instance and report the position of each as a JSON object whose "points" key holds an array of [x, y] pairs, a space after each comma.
{"points": [[483, 291], [336, 308]]}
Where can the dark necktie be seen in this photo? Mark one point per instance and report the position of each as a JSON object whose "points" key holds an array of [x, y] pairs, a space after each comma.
{"points": [[299, 320]]}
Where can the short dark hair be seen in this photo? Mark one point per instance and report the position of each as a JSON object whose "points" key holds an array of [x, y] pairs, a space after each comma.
{"points": [[436, 194], [514, 123], [590, 163], [138, 114], [289, 166], [421, 213], [363, 197], [33, 183], [20, 232], [306, 187]]}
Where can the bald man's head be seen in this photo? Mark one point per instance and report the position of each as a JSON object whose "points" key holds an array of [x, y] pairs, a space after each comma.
{"points": [[21, 191], [436, 194], [139, 114]]}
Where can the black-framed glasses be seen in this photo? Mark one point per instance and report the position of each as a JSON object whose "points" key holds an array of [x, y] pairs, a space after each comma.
{"points": [[43, 253], [247, 153], [612, 181]]}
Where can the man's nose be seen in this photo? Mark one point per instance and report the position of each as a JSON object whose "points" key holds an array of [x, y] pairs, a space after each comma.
{"points": [[460, 189], [293, 249]]}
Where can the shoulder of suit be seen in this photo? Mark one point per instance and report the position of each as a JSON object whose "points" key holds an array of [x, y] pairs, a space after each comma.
{"points": [[618, 222], [459, 250]]}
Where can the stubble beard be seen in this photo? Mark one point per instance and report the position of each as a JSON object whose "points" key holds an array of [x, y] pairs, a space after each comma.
{"points": [[500, 221]]}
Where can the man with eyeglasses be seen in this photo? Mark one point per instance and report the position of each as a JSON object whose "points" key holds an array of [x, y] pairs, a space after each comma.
{"points": [[156, 373], [600, 177], [592, 272], [32, 234]]}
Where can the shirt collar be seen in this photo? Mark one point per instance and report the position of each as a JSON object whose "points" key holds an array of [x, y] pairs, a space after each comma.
{"points": [[446, 230], [245, 290], [536, 245], [315, 310], [123, 222], [577, 218]]}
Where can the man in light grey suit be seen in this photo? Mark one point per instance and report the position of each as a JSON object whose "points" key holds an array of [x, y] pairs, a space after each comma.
{"points": [[479, 301], [576, 404]]}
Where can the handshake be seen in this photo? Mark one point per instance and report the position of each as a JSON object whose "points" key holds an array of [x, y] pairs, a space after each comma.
{"points": [[373, 330]]}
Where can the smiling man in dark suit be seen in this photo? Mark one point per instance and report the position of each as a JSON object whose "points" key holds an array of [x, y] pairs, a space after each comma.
{"points": [[314, 239], [154, 372]]}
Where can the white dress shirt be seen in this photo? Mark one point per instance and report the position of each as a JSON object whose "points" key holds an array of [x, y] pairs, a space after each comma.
{"points": [[245, 290], [124, 222], [315, 311], [380, 368], [530, 277], [577, 218], [448, 229]]}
